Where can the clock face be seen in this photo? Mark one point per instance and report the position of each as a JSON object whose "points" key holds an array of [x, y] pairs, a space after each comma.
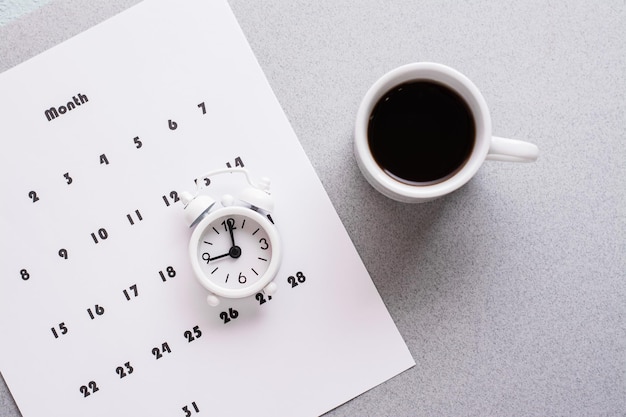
{"points": [[233, 252]]}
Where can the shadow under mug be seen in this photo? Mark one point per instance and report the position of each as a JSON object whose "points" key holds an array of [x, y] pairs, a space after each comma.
{"points": [[485, 145]]}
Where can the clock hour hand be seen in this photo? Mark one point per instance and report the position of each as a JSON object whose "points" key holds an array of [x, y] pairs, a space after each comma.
{"points": [[221, 256], [208, 258], [234, 252]]}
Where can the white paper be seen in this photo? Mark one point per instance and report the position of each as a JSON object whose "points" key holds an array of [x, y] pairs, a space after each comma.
{"points": [[96, 289]]}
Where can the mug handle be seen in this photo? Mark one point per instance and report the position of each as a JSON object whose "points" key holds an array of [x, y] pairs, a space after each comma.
{"points": [[512, 150]]}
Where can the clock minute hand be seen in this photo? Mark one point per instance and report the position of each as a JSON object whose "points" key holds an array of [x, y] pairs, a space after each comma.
{"points": [[235, 251], [231, 227]]}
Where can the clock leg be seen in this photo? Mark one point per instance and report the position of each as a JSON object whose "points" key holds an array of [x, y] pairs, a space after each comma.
{"points": [[212, 300], [270, 288]]}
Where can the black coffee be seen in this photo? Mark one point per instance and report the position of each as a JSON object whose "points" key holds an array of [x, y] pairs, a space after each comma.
{"points": [[421, 132]]}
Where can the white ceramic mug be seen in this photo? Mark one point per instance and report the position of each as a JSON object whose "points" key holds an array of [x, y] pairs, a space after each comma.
{"points": [[485, 146]]}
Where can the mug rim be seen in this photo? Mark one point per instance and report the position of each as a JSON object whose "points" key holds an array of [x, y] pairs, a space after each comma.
{"points": [[452, 79]]}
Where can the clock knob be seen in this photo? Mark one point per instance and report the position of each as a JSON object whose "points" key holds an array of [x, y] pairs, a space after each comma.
{"points": [[228, 200], [259, 196], [196, 207]]}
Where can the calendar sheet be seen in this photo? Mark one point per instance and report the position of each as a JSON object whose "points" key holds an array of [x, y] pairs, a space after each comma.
{"points": [[100, 314]]}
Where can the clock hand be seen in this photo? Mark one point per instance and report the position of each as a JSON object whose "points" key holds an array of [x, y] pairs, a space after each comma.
{"points": [[231, 227], [218, 257], [235, 251], [208, 258]]}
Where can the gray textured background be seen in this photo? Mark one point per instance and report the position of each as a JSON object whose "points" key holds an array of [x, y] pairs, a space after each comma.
{"points": [[511, 292]]}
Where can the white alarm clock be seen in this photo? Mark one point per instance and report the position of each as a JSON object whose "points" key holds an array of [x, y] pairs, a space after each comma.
{"points": [[235, 248]]}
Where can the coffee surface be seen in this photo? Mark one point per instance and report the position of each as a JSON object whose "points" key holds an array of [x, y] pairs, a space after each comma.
{"points": [[421, 132]]}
